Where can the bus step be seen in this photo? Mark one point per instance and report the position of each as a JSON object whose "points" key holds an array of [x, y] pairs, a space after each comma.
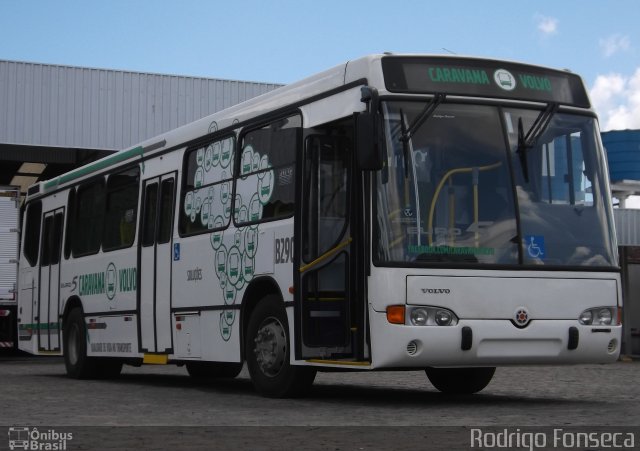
{"points": [[155, 359]]}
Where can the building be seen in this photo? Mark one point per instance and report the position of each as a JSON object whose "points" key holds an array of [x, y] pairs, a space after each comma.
{"points": [[623, 154], [54, 118]]}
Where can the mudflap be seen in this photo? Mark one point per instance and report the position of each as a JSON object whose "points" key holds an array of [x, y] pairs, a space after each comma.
{"points": [[8, 328]]}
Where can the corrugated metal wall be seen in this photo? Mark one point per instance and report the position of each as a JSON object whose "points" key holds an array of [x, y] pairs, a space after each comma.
{"points": [[623, 154], [627, 222], [64, 106]]}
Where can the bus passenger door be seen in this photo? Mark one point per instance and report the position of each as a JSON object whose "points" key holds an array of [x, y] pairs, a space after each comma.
{"points": [[154, 319], [48, 322], [326, 316]]}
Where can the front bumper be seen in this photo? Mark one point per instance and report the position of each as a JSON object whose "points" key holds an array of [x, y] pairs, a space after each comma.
{"points": [[493, 343]]}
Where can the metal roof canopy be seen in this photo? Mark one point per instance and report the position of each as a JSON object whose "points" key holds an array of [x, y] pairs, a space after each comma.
{"points": [[25, 165]]}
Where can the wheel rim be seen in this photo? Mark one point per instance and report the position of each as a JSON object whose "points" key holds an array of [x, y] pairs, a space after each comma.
{"points": [[72, 347], [270, 347]]}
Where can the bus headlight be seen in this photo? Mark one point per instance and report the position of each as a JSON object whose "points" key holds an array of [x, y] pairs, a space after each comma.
{"points": [[586, 317], [431, 316], [419, 316], [604, 316], [443, 317], [599, 316]]}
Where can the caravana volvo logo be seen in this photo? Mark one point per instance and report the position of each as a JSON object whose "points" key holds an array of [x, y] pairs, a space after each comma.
{"points": [[109, 282], [435, 290]]}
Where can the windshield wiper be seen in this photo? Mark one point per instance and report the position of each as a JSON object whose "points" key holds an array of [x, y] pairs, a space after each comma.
{"points": [[407, 133], [526, 143], [422, 117]]}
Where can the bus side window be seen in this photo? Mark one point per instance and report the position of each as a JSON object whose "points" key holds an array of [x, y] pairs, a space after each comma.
{"points": [[31, 238], [166, 211], [206, 189], [71, 219], [149, 218], [58, 221], [121, 210], [47, 242], [90, 219], [51, 240], [265, 185]]}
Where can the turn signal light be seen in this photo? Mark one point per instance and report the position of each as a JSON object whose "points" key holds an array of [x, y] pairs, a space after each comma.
{"points": [[395, 314]]}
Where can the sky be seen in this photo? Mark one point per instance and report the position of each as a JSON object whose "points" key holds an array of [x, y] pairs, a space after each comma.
{"points": [[281, 41]]}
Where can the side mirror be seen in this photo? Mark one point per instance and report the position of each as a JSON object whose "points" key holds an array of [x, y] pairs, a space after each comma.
{"points": [[368, 143]]}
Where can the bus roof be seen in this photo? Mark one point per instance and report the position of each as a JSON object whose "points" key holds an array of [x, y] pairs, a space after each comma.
{"points": [[403, 73]]}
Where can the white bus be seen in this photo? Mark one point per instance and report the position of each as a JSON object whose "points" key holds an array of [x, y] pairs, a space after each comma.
{"points": [[432, 213]]}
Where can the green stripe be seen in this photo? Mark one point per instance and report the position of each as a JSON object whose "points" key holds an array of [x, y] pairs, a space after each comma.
{"points": [[40, 326], [93, 167]]}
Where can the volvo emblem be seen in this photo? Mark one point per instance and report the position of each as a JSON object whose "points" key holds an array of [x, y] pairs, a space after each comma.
{"points": [[435, 290], [521, 317]]}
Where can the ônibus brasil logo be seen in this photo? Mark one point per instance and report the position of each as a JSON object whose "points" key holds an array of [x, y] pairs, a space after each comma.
{"points": [[32, 438], [109, 282]]}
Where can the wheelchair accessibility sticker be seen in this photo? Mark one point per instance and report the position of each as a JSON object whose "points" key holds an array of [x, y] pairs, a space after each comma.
{"points": [[535, 246]]}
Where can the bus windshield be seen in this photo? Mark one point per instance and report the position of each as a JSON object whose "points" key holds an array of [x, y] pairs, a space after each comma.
{"points": [[459, 189]]}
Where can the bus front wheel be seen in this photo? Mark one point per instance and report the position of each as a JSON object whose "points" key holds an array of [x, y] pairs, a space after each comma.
{"points": [[460, 380], [267, 353]]}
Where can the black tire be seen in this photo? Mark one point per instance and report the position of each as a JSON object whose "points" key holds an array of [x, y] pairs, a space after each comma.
{"points": [[267, 352], [76, 361], [212, 370], [460, 380]]}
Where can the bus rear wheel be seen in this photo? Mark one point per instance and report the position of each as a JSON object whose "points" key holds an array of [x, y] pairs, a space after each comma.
{"points": [[212, 370], [267, 353], [460, 380], [77, 363]]}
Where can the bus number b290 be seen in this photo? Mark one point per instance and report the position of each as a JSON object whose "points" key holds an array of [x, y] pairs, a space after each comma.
{"points": [[284, 250]]}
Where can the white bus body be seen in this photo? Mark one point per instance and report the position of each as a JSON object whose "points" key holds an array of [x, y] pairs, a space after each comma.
{"points": [[401, 212]]}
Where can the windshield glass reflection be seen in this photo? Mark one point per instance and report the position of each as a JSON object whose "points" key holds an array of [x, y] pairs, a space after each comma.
{"points": [[564, 209], [447, 194]]}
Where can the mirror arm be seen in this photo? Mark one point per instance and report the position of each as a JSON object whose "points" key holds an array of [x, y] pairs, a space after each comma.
{"points": [[368, 132], [370, 97]]}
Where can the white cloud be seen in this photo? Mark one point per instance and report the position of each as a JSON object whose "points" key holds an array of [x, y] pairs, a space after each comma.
{"points": [[547, 25], [614, 44], [616, 99], [607, 88]]}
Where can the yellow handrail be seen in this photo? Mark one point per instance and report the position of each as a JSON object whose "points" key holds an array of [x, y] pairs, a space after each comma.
{"points": [[441, 184], [452, 207], [326, 255]]}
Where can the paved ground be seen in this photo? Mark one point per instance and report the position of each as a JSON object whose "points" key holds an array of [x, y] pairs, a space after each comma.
{"points": [[364, 410]]}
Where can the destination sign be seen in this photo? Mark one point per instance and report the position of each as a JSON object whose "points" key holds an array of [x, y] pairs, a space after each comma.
{"points": [[483, 78]]}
